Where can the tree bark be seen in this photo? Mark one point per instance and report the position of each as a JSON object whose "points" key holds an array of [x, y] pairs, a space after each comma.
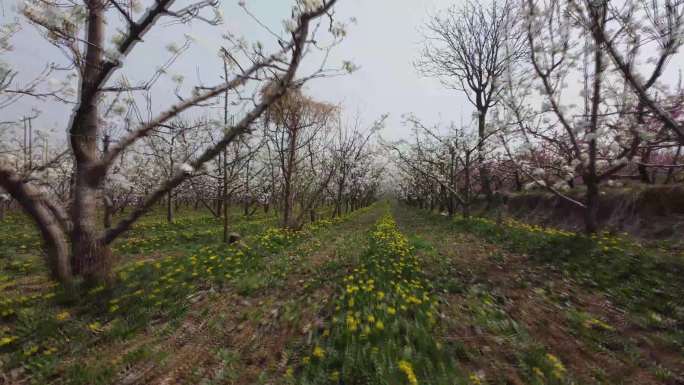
{"points": [[485, 178], [288, 193], [90, 257], [52, 233], [591, 211]]}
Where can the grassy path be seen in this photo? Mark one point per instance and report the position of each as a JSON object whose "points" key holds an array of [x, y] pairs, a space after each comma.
{"points": [[250, 334], [516, 321]]}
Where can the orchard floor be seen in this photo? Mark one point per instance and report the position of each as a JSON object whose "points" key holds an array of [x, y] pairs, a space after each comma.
{"points": [[501, 317]]}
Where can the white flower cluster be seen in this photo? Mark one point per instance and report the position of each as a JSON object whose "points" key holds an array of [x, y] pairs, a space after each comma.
{"points": [[349, 66], [113, 54], [310, 5], [338, 30], [66, 19], [186, 168], [290, 25], [561, 185], [538, 172]]}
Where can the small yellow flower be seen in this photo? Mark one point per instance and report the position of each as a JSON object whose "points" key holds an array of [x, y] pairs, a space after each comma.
{"points": [[319, 352], [475, 379], [7, 340], [95, 327], [407, 369], [63, 316], [537, 372]]}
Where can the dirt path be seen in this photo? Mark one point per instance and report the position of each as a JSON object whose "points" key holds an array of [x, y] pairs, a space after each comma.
{"points": [[504, 315]]}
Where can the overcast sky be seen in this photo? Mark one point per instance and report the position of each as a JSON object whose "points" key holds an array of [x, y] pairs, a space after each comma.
{"points": [[384, 42]]}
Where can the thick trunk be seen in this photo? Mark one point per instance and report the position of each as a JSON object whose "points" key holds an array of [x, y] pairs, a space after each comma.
{"points": [[53, 235], [591, 179], [90, 258]]}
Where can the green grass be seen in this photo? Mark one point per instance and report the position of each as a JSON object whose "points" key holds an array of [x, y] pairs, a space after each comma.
{"points": [[642, 279], [42, 330], [512, 294], [353, 300]]}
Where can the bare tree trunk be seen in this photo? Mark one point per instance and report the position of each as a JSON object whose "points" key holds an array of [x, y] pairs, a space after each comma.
{"points": [[106, 201], [643, 170], [169, 206], [224, 195], [224, 192], [107, 220], [466, 188], [670, 171], [288, 193], [219, 189], [591, 211], [338, 201], [51, 228], [485, 179], [90, 257], [590, 178]]}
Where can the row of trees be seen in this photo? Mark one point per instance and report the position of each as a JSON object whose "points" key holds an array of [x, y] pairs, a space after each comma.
{"points": [[272, 146], [567, 96]]}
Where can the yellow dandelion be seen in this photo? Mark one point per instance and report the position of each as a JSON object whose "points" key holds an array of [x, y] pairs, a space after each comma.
{"points": [[406, 368], [318, 352], [63, 316]]}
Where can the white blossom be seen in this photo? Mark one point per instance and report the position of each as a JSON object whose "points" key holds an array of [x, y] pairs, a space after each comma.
{"points": [[349, 66], [113, 54], [218, 15], [338, 30], [311, 5], [290, 25], [186, 168]]}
